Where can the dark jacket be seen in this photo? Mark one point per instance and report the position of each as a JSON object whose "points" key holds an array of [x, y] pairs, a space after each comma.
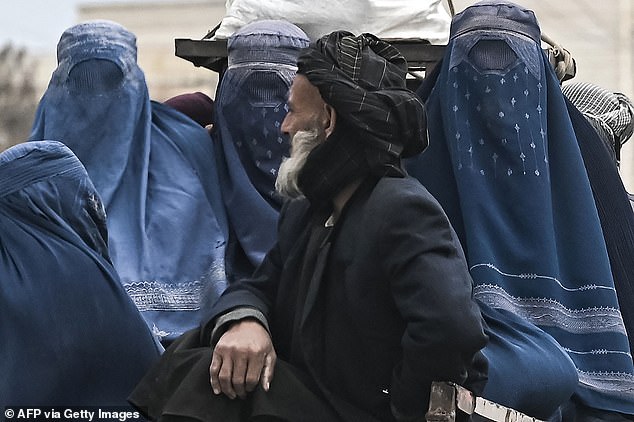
{"points": [[389, 307]]}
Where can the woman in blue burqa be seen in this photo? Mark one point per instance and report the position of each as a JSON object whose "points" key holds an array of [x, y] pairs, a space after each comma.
{"points": [[505, 164], [71, 335], [250, 107], [152, 166]]}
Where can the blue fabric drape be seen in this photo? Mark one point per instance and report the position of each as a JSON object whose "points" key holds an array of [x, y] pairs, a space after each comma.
{"points": [[615, 212], [71, 335], [250, 108], [154, 169], [504, 162]]}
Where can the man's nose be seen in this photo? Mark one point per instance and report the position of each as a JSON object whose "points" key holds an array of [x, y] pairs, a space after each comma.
{"points": [[284, 132], [284, 127]]}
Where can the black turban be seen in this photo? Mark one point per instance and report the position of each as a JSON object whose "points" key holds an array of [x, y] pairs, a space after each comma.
{"points": [[363, 78]]}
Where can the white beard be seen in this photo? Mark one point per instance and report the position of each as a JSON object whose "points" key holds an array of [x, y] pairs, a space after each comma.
{"points": [[302, 144]]}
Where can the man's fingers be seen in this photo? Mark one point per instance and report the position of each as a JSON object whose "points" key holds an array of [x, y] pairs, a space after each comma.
{"points": [[227, 376], [238, 377], [267, 370], [224, 378], [254, 371], [214, 369]]}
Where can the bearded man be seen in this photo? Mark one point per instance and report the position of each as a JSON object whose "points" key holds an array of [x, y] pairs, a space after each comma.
{"points": [[366, 297]]}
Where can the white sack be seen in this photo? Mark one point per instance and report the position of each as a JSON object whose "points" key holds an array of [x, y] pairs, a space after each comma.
{"points": [[412, 19]]}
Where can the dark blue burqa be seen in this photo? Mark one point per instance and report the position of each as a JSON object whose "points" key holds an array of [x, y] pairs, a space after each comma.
{"points": [[505, 164], [71, 336], [152, 166], [250, 108]]}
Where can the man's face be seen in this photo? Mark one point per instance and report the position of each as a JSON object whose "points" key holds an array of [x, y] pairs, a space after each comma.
{"points": [[305, 123], [306, 108]]}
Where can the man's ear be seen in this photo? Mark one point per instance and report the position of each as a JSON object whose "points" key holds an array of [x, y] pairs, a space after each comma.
{"points": [[330, 120]]}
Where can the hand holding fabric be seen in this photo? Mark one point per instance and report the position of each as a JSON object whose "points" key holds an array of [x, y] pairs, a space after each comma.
{"points": [[243, 357]]}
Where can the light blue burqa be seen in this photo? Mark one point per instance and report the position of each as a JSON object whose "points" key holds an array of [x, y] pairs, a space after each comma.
{"points": [[152, 166]]}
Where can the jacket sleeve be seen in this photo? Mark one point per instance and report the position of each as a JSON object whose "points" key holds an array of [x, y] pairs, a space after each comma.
{"points": [[223, 322], [432, 289], [256, 293]]}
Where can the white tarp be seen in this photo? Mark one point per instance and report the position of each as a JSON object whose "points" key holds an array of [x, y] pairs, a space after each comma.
{"points": [[412, 19]]}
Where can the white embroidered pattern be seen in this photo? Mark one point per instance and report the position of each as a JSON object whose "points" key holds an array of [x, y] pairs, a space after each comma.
{"points": [[617, 383], [597, 352], [153, 295], [545, 277], [530, 142], [546, 312]]}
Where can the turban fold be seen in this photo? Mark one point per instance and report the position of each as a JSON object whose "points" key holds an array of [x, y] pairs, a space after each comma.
{"points": [[363, 78]]}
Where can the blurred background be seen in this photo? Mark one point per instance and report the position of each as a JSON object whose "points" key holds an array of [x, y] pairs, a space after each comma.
{"points": [[599, 35]]}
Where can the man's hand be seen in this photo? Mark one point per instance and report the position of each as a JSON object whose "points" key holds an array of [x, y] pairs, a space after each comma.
{"points": [[243, 356]]}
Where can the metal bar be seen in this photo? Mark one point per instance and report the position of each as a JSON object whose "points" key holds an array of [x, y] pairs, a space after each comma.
{"points": [[447, 397], [442, 403], [210, 54]]}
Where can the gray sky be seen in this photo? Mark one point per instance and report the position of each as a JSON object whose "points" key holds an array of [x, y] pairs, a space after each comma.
{"points": [[35, 24], [38, 24]]}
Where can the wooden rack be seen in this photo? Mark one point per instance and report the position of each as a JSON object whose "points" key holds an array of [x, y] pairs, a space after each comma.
{"points": [[212, 54]]}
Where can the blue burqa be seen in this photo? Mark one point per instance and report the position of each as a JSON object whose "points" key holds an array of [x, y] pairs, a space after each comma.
{"points": [[250, 107], [152, 166], [505, 164], [71, 336]]}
